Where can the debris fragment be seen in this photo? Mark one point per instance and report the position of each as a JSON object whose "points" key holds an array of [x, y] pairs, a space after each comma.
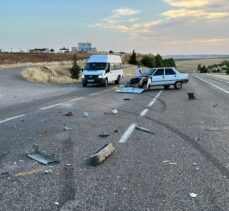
{"points": [[48, 171], [85, 114], [114, 111], [56, 203], [194, 164], [42, 157], [70, 113], [130, 90], [191, 96], [102, 154], [193, 195], [170, 163], [103, 135], [165, 161], [197, 168], [214, 105], [126, 99], [144, 129], [197, 139], [68, 164], [4, 174], [67, 128], [116, 131]]}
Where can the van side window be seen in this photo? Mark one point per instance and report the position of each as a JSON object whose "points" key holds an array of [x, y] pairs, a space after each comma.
{"points": [[112, 66], [118, 66], [169, 71], [159, 72]]}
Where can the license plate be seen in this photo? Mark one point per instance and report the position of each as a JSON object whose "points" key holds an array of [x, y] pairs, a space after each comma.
{"points": [[90, 80]]}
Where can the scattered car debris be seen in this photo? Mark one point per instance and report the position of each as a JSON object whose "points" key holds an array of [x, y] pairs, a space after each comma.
{"points": [[194, 164], [103, 135], [197, 139], [197, 168], [126, 99], [214, 105], [4, 174], [68, 164], [114, 111], [42, 157], [165, 161], [102, 154], [144, 129], [56, 203], [85, 114], [170, 163], [67, 128], [115, 131], [70, 113], [193, 195], [130, 90], [48, 171], [191, 96]]}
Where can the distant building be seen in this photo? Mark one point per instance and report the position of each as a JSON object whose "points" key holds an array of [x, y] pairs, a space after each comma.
{"points": [[64, 50], [86, 47], [39, 50], [74, 49]]}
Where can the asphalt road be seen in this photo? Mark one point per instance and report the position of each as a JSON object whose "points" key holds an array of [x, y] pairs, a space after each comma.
{"points": [[187, 155]]}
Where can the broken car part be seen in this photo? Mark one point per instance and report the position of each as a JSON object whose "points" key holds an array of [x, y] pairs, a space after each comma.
{"points": [[131, 90], [102, 154], [144, 129], [191, 96]]}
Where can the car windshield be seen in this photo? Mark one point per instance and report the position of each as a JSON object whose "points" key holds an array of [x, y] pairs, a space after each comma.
{"points": [[95, 66], [149, 72]]}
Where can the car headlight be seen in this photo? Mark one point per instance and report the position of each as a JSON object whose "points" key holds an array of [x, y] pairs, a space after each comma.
{"points": [[100, 76], [82, 76]]}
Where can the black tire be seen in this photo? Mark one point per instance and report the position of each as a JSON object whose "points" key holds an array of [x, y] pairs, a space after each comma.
{"points": [[166, 86], [178, 85], [84, 84], [146, 88], [118, 80], [106, 82]]}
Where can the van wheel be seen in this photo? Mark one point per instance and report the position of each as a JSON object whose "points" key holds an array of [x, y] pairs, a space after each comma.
{"points": [[178, 85], [84, 84], [106, 82], [118, 80], [166, 86]]}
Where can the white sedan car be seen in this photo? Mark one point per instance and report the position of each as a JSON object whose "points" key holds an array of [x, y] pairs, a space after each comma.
{"points": [[166, 77]]}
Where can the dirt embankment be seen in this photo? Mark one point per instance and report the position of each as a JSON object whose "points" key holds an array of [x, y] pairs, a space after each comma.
{"points": [[22, 58]]}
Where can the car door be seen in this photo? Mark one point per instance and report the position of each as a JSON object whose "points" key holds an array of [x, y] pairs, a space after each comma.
{"points": [[170, 76], [158, 77]]}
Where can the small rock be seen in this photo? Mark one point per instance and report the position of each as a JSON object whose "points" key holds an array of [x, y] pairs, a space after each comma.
{"points": [[197, 139], [70, 113], [48, 171], [215, 105], [116, 131]]}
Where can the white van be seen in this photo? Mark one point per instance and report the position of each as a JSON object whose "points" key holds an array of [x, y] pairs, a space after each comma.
{"points": [[102, 69]]}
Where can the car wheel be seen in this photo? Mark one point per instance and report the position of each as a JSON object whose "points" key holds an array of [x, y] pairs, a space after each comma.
{"points": [[166, 86], [118, 80], [146, 88], [106, 82], [178, 85]]}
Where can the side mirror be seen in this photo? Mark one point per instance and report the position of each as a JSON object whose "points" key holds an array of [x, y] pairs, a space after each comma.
{"points": [[82, 69]]}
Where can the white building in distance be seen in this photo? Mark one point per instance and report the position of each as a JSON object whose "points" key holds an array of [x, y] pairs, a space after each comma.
{"points": [[86, 47]]}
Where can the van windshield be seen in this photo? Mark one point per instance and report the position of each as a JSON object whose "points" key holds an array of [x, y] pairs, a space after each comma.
{"points": [[95, 66]]}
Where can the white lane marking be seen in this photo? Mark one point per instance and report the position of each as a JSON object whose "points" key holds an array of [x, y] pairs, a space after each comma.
{"points": [[51, 106], [216, 79], [11, 118], [93, 93], [76, 99], [155, 99], [144, 112], [217, 87], [128, 133]]}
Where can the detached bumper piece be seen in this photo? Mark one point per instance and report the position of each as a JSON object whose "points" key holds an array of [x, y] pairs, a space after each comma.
{"points": [[101, 155], [131, 90]]}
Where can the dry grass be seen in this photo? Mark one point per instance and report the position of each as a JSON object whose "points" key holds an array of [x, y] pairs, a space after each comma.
{"points": [[191, 65], [55, 73]]}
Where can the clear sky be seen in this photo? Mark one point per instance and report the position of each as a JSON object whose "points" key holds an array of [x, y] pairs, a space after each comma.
{"points": [[149, 26]]}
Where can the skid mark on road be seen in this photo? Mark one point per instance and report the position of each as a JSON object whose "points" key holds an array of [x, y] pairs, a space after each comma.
{"points": [[68, 186]]}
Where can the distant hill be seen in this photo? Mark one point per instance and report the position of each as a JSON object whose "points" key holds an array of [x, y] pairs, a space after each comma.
{"points": [[197, 57]]}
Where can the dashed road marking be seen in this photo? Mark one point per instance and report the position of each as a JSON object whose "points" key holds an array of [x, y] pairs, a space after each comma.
{"points": [[76, 99], [51, 106], [93, 94], [128, 133], [155, 99], [211, 84], [11, 118], [144, 112]]}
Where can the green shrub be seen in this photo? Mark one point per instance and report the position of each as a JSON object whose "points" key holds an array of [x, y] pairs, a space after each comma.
{"points": [[133, 58], [75, 69], [148, 61]]}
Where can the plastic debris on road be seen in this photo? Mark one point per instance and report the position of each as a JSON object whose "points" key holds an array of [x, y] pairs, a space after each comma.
{"points": [[70, 113], [114, 111], [4, 174], [193, 195], [103, 135], [191, 96], [42, 157], [126, 99], [130, 90], [67, 128], [144, 129], [85, 114]]}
